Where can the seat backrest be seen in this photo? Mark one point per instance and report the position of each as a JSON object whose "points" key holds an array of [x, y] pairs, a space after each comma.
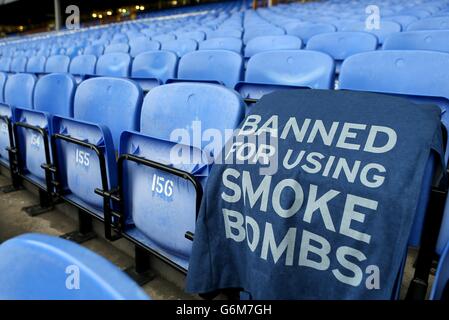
{"points": [[434, 40], [142, 44], [225, 32], [436, 23], [292, 67], [268, 43], [164, 37], [117, 47], [5, 64], [440, 289], [18, 64], [224, 43], [54, 94], [217, 65], [404, 72], [36, 64], [105, 101], [83, 65], [96, 49], [386, 28], [259, 31], [193, 35], [54, 260], [161, 65], [3, 77], [177, 105], [19, 90], [116, 64], [57, 63], [306, 30], [180, 47], [340, 45]]}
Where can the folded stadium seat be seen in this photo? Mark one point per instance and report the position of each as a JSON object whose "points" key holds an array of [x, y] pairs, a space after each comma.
{"points": [[82, 66], [53, 95], [180, 47], [440, 288], [61, 270], [5, 64], [340, 45], [153, 68], [117, 47], [306, 30], [269, 43], [142, 44], [253, 32], [116, 64], [434, 40], [224, 43], [160, 215], [437, 23], [18, 92], [84, 146], [74, 51], [271, 70], [36, 64], [419, 76], [419, 13], [96, 50], [219, 66], [164, 37], [59, 63], [198, 36], [224, 33], [18, 64]]}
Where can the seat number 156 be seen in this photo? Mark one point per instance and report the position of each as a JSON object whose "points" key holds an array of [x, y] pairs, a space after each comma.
{"points": [[162, 185]]}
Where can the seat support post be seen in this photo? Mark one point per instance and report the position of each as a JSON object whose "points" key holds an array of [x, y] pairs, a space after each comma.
{"points": [[45, 205], [16, 183]]}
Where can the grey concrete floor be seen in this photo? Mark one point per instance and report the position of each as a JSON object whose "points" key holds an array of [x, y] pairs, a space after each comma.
{"points": [[14, 222]]}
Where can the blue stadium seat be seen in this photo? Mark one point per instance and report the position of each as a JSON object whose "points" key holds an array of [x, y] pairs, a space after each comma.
{"points": [[5, 63], [404, 21], [224, 43], [36, 64], [180, 47], [102, 109], [83, 65], [117, 47], [164, 38], [225, 32], [306, 30], [115, 64], [440, 289], [223, 66], [270, 30], [295, 68], [18, 64], [142, 44], [156, 218], [58, 63], [417, 75], [3, 77], [154, 67], [119, 38], [18, 92], [437, 23], [61, 270], [268, 43], [435, 40], [96, 50], [53, 95], [340, 45]]}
